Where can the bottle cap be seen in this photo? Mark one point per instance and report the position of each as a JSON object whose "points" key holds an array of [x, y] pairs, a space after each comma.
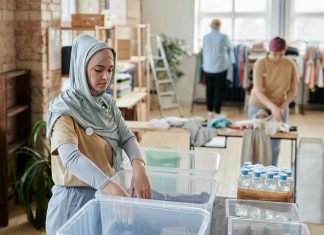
{"points": [[257, 174], [245, 171], [247, 163], [270, 175], [283, 177]]}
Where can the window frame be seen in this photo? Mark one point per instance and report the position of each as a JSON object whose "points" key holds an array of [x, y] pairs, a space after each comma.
{"points": [[199, 16], [292, 17]]}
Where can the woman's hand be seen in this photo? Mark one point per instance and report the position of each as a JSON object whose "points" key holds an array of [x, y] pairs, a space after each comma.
{"points": [[277, 113], [140, 184], [114, 189]]}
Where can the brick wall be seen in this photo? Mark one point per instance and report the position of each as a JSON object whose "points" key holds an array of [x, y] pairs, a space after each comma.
{"points": [[8, 52], [7, 36], [33, 17]]}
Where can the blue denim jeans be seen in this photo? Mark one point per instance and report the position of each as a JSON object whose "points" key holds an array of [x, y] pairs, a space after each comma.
{"points": [[275, 143]]}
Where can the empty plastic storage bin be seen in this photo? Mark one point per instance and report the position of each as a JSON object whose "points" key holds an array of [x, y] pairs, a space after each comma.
{"points": [[198, 162], [262, 210], [310, 179], [129, 216], [237, 226]]}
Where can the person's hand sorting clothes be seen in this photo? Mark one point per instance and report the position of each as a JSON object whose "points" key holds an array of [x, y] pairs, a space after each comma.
{"points": [[277, 114], [140, 184]]}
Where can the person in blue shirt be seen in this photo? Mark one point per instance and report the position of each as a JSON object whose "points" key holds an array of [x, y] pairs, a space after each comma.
{"points": [[215, 63]]}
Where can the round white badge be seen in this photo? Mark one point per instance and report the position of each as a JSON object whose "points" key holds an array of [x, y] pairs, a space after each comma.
{"points": [[89, 131]]}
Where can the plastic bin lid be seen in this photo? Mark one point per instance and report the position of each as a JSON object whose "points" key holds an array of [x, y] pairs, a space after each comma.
{"points": [[291, 228], [277, 209]]}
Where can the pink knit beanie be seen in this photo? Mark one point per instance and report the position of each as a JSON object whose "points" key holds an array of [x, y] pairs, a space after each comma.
{"points": [[277, 44]]}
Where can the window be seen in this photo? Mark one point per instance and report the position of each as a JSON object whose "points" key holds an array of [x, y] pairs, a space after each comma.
{"points": [[251, 20], [307, 20], [68, 8], [241, 20]]}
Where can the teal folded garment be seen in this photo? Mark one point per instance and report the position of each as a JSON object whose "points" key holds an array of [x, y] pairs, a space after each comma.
{"points": [[220, 123]]}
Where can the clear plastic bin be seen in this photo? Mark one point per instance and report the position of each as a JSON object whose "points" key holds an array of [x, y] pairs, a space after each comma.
{"points": [[174, 187], [130, 216], [237, 226], [262, 210], [198, 162]]}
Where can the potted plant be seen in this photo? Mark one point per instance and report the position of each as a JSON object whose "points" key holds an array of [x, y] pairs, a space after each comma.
{"points": [[37, 175], [174, 49]]}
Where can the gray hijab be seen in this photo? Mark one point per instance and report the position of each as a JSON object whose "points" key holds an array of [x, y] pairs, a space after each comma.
{"points": [[100, 113]]}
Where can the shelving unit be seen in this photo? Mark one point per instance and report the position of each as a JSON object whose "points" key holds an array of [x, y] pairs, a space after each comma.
{"points": [[20, 112], [140, 59]]}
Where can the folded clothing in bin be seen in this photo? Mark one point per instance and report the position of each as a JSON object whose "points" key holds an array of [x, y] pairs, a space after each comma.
{"points": [[201, 198], [136, 228]]}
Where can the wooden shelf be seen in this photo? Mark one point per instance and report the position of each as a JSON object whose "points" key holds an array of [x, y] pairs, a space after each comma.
{"points": [[135, 59], [16, 110], [78, 28], [16, 73], [20, 130], [16, 145], [131, 99]]}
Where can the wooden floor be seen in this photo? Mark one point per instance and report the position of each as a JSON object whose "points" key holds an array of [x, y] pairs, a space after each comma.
{"points": [[309, 125]]}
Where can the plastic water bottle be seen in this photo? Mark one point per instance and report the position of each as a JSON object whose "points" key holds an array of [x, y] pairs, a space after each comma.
{"points": [[244, 179], [257, 181], [288, 173], [276, 176], [250, 168], [247, 164], [269, 183], [283, 185]]}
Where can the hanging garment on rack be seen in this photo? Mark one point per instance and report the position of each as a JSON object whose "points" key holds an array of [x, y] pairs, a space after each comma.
{"points": [[231, 62], [312, 76], [308, 65], [236, 80], [241, 66], [246, 80], [314, 70], [319, 72]]}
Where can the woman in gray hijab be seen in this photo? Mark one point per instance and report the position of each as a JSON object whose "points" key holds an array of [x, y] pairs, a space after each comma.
{"points": [[87, 134]]}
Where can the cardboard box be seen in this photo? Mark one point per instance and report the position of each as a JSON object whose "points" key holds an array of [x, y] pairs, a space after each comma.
{"points": [[87, 20], [123, 49], [251, 194]]}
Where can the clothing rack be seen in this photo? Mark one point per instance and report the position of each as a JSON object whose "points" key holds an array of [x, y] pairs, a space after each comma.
{"points": [[228, 100], [314, 106]]}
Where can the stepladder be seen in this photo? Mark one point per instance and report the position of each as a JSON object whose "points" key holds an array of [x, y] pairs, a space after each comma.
{"points": [[162, 78]]}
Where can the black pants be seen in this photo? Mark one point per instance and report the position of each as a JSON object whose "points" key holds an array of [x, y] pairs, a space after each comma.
{"points": [[215, 90]]}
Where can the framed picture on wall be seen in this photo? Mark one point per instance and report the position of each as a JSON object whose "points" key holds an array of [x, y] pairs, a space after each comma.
{"points": [[54, 48]]}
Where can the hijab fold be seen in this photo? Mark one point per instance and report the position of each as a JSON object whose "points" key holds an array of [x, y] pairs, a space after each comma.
{"points": [[97, 112]]}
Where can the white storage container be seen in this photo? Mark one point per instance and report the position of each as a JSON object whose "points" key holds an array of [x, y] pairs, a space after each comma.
{"points": [[262, 210], [176, 188], [198, 162], [130, 216], [237, 226], [310, 179]]}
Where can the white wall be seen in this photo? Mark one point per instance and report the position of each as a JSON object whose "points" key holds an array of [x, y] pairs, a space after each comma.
{"points": [[175, 18], [88, 6]]}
